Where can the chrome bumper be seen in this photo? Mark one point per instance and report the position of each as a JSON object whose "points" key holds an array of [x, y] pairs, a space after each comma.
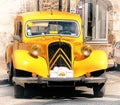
{"points": [[39, 80]]}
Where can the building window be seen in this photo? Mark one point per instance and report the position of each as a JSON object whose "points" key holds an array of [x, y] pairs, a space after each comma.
{"points": [[95, 21]]}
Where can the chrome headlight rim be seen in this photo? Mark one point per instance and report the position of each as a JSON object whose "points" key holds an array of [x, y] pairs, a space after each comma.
{"points": [[86, 50], [35, 50]]}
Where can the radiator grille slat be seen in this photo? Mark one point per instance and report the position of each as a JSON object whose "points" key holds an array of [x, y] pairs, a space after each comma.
{"points": [[59, 55]]}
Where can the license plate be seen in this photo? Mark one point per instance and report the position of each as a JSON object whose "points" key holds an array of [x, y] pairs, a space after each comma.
{"points": [[61, 72]]}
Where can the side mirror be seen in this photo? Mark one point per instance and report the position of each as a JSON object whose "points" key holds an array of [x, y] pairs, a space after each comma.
{"points": [[17, 37]]}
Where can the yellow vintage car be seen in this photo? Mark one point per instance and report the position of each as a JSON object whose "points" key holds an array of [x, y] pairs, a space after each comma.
{"points": [[48, 49]]}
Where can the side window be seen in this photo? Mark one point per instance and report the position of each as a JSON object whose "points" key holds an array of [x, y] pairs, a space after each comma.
{"points": [[19, 29]]}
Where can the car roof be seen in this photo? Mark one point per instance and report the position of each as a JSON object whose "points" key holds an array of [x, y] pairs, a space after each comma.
{"points": [[50, 15]]}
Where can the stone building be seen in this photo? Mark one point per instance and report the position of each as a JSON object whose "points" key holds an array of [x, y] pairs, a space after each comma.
{"points": [[101, 19]]}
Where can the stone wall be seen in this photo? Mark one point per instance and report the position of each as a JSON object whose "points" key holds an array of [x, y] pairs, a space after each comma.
{"points": [[10, 8], [7, 15], [48, 4], [8, 11], [114, 19]]}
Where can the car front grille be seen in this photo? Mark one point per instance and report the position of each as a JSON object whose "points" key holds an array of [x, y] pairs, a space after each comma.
{"points": [[59, 55]]}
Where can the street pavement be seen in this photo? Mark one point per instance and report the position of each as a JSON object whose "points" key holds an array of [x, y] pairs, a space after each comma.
{"points": [[82, 95]]}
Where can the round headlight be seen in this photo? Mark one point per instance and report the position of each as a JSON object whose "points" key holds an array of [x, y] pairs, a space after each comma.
{"points": [[86, 50], [35, 50]]}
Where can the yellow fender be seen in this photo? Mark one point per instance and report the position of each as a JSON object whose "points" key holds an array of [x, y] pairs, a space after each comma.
{"points": [[23, 61], [96, 61]]}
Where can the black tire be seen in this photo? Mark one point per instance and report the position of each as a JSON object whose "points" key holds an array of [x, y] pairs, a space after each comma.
{"points": [[10, 73], [10, 81], [18, 91], [118, 67], [99, 90]]}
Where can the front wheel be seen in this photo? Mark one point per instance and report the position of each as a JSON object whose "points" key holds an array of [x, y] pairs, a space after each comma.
{"points": [[99, 89], [18, 91], [10, 81], [10, 73]]}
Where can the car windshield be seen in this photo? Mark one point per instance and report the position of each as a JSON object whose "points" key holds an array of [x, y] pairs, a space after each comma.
{"points": [[40, 28]]}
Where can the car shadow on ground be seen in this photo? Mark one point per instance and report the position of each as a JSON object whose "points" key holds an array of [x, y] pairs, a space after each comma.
{"points": [[34, 92], [56, 93]]}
